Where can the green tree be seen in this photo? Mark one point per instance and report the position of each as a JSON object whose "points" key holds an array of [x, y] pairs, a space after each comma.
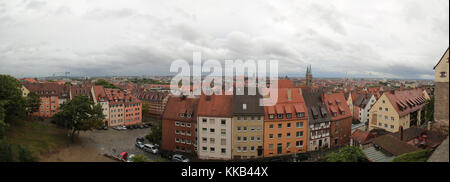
{"points": [[429, 110], [24, 154], [32, 103], [347, 154], [5, 152], [105, 83], [11, 98], [417, 156], [155, 134], [3, 124], [79, 114], [139, 158]]}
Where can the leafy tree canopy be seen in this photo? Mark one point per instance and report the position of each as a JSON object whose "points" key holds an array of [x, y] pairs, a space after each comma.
{"points": [[105, 83], [139, 158], [417, 156], [347, 154], [79, 114], [11, 97]]}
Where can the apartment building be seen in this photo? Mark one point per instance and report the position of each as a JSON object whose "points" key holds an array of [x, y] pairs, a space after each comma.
{"points": [[341, 126], [99, 97], [397, 108], [351, 98], [157, 100], [179, 123], [124, 108], [286, 124], [363, 105], [441, 71], [214, 127], [319, 120], [248, 126], [52, 95]]}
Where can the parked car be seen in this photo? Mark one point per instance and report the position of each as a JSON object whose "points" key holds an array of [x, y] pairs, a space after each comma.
{"points": [[139, 145], [150, 124], [130, 158], [140, 139], [124, 128], [105, 128], [123, 156], [150, 148], [146, 126], [141, 126], [116, 128], [179, 158]]}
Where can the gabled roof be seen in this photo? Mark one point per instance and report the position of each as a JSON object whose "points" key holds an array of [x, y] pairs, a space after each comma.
{"points": [[215, 105], [181, 105], [393, 145], [290, 101], [48, 89], [442, 58], [433, 138], [317, 110], [362, 137], [251, 102], [406, 101], [335, 103]]}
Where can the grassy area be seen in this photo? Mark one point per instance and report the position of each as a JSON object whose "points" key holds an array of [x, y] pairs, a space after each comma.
{"points": [[40, 138], [417, 156]]}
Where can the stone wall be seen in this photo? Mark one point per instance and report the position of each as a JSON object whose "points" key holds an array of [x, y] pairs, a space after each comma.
{"points": [[441, 96]]}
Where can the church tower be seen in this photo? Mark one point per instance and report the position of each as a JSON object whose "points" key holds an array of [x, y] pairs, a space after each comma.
{"points": [[308, 76]]}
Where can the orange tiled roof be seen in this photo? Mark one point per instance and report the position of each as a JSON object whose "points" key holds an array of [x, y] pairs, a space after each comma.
{"points": [[406, 101], [215, 105], [336, 104]]}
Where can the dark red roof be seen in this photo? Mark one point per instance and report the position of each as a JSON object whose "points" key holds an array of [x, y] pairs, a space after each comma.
{"points": [[215, 105]]}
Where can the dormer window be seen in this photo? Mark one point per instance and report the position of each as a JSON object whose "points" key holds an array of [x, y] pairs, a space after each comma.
{"points": [[244, 106], [334, 114], [271, 116], [280, 116], [181, 114], [342, 112], [300, 114], [288, 116]]}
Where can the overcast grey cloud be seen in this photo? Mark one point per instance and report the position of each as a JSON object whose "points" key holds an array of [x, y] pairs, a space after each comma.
{"points": [[361, 38]]}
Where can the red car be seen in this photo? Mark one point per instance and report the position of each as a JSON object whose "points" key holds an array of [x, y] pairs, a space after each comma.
{"points": [[123, 156]]}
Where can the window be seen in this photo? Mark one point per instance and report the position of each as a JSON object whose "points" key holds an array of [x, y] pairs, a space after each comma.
{"points": [[204, 120], [212, 140], [252, 148], [244, 149], [223, 132], [288, 135], [386, 109], [253, 118], [385, 125], [299, 134], [252, 138], [188, 125], [380, 108], [271, 136], [244, 139], [385, 117], [238, 138], [392, 126], [223, 141], [271, 126], [212, 130], [259, 118], [223, 122], [443, 74], [288, 145], [212, 149], [238, 128], [239, 118], [279, 135], [299, 143], [379, 124], [280, 116], [384, 101], [244, 106], [288, 116], [204, 129], [270, 146], [299, 124], [300, 114], [238, 149], [280, 126], [245, 118], [288, 125], [223, 151], [204, 148], [245, 129], [392, 118], [271, 116]]}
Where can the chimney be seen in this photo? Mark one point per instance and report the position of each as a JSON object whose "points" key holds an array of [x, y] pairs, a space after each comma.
{"points": [[400, 133]]}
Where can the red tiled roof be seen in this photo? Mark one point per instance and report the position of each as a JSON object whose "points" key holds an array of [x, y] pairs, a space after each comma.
{"points": [[334, 99], [180, 105], [409, 98], [216, 106], [362, 136], [285, 105]]}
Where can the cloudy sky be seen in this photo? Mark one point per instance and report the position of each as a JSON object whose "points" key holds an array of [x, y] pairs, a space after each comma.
{"points": [[360, 38]]}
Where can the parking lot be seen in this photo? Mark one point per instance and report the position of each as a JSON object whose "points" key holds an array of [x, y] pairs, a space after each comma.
{"points": [[114, 142], [91, 145]]}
